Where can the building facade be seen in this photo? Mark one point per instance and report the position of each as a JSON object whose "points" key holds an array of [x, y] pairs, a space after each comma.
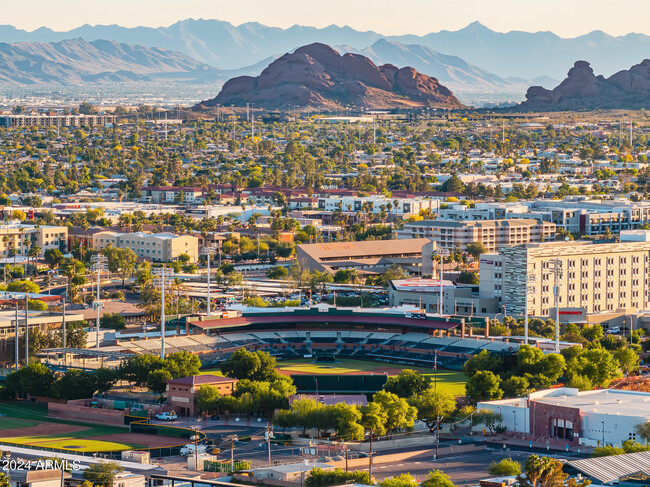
{"points": [[592, 278], [157, 247], [589, 418], [181, 391], [45, 120], [494, 234], [17, 239]]}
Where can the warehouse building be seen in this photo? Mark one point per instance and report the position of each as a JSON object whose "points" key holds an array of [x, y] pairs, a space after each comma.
{"points": [[588, 418]]}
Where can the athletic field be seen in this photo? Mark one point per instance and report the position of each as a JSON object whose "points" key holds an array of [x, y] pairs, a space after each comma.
{"points": [[448, 380], [27, 424]]}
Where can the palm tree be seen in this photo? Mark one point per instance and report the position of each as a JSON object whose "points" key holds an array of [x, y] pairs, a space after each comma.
{"points": [[643, 430]]}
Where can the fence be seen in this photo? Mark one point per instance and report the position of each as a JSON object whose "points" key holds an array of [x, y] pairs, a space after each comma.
{"points": [[224, 466]]}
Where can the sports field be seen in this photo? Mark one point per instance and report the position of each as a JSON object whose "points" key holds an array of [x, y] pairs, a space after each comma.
{"points": [[28, 424], [449, 380]]}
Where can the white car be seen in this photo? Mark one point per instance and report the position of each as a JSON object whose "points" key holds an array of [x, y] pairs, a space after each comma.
{"points": [[167, 416], [189, 449], [613, 330]]}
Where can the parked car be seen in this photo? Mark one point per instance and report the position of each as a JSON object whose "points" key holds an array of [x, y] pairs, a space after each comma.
{"points": [[167, 416], [190, 449], [613, 330]]}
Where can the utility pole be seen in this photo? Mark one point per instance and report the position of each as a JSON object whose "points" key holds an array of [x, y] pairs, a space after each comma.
{"points": [[100, 264], [530, 280], [162, 279], [346, 459], [555, 266], [441, 253], [269, 433]]}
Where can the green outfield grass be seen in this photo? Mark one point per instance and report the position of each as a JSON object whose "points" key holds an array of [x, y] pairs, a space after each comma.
{"points": [[20, 415], [449, 380], [75, 443]]}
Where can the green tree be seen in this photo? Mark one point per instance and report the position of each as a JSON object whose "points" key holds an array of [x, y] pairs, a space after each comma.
{"points": [[437, 478], [348, 420], [53, 258], [207, 398], [374, 418], [23, 286], [113, 321], [402, 480], [507, 467], [475, 249], [157, 380], [33, 379], [325, 478], [400, 415], [75, 335], [484, 361], [243, 364], [627, 358], [102, 473], [483, 386], [4, 480], [643, 430], [121, 261], [408, 383], [182, 364], [431, 404], [136, 368], [488, 418], [515, 386]]}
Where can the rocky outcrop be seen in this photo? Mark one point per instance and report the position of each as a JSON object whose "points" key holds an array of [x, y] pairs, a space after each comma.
{"points": [[317, 76], [582, 89]]}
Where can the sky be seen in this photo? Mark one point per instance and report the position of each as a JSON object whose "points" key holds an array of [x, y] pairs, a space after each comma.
{"points": [[567, 18]]}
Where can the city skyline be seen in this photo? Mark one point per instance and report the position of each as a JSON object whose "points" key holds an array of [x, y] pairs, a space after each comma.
{"points": [[382, 16]]}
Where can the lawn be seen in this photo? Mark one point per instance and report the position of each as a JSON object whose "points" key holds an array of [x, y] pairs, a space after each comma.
{"points": [[20, 415], [70, 443], [448, 380]]}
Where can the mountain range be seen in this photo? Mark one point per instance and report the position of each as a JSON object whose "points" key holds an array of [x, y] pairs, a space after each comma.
{"points": [[221, 44], [317, 76], [76, 61]]}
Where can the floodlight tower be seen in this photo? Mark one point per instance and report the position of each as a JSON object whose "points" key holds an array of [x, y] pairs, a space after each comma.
{"points": [[208, 252], [99, 265], [162, 279]]}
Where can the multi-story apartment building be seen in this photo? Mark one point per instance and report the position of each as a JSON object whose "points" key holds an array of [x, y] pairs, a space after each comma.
{"points": [[157, 247], [594, 278], [171, 194], [494, 234], [45, 120], [377, 203], [17, 239]]}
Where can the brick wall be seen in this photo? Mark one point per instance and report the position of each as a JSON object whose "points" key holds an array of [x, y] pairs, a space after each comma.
{"points": [[542, 414], [82, 413]]}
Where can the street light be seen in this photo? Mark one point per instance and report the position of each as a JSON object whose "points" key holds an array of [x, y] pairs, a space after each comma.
{"points": [[162, 280], [208, 252], [100, 264]]}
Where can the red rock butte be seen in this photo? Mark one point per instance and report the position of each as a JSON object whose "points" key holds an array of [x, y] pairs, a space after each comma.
{"points": [[319, 77]]}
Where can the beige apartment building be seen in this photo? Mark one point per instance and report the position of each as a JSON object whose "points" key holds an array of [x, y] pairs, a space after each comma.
{"points": [[18, 238], [595, 278], [494, 234], [157, 247]]}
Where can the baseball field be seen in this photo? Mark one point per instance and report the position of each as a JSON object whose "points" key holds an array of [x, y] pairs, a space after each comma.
{"points": [[448, 380], [28, 424]]}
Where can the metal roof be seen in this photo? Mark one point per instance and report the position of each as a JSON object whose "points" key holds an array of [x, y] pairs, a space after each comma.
{"points": [[612, 468]]}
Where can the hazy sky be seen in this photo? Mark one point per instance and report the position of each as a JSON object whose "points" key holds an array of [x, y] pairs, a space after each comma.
{"points": [[567, 18]]}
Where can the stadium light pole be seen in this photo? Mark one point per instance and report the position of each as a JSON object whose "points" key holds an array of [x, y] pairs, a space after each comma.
{"points": [[530, 283], [555, 266], [99, 265], [442, 253], [208, 252], [162, 279]]}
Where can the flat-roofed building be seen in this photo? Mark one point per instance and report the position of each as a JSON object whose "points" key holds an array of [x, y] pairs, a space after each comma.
{"points": [[18, 238], [374, 256], [46, 120], [181, 392], [494, 234], [595, 278], [589, 418], [157, 247]]}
